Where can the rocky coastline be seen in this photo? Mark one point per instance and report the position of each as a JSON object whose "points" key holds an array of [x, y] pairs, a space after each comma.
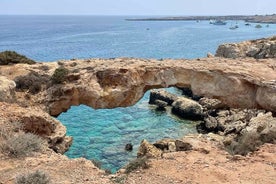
{"points": [[232, 98], [267, 19]]}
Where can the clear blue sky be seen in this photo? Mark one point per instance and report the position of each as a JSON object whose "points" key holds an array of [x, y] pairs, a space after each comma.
{"points": [[138, 7]]}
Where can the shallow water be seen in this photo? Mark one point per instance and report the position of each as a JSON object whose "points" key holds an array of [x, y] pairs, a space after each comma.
{"points": [[102, 134]]}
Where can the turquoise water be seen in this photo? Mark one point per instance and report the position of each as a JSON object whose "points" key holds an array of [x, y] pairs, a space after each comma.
{"points": [[102, 134]]}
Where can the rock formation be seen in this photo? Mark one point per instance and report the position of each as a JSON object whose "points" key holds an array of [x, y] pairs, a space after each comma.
{"points": [[109, 83], [34, 120], [259, 49], [29, 94]]}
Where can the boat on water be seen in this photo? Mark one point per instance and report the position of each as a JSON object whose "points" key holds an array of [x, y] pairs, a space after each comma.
{"points": [[219, 22], [234, 27], [247, 24], [258, 26]]}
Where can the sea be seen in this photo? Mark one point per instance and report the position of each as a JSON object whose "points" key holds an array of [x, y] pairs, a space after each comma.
{"points": [[101, 135]]}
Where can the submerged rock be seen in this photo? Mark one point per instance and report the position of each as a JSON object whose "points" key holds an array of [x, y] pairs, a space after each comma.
{"points": [[129, 147]]}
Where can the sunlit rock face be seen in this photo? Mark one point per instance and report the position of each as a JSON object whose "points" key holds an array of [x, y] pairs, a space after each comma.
{"points": [[109, 83], [259, 49]]}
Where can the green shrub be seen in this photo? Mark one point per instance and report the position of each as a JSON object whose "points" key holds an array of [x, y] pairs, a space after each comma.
{"points": [[11, 57], [22, 144], [37, 177], [32, 82], [59, 75], [136, 164]]}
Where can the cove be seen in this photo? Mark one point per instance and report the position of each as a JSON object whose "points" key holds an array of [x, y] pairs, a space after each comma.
{"points": [[102, 134]]}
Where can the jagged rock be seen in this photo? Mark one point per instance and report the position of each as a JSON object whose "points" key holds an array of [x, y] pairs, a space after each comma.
{"points": [[166, 145], [260, 130], [36, 121], [211, 123], [161, 95], [121, 82], [265, 126], [182, 145], [7, 90], [259, 49], [211, 103], [187, 108], [160, 104], [228, 51], [148, 150]]}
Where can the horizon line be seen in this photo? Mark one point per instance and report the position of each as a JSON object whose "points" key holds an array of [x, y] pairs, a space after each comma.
{"points": [[133, 15]]}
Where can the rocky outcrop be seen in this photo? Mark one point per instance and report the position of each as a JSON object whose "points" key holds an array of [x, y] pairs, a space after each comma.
{"points": [[187, 108], [260, 130], [156, 150], [109, 83], [148, 150], [259, 49], [181, 106], [162, 95], [36, 121]]}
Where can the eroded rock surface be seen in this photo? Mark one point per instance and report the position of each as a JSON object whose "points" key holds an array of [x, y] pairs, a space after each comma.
{"points": [[109, 83], [259, 49], [36, 121]]}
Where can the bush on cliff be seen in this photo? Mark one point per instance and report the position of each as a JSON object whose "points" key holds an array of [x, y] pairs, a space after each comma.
{"points": [[11, 57], [32, 82], [59, 75], [136, 164], [248, 142], [22, 144], [37, 177]]}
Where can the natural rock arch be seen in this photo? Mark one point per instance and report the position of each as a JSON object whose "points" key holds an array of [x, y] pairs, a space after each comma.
{"points": [[109, 83], [122, 82]]}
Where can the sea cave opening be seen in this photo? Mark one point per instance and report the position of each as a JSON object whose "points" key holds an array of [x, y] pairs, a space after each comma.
{"points": [[101, 135]]}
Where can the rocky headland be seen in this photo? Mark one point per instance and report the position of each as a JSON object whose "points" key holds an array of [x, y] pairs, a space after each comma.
{"points": [[239, 104], [269, 19]]}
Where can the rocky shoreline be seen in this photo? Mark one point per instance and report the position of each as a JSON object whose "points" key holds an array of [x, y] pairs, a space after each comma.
{"points": [[233, 99], [268, 19]]}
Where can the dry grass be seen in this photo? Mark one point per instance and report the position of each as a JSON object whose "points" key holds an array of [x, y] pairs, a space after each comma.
{"points": [[16, 143]]}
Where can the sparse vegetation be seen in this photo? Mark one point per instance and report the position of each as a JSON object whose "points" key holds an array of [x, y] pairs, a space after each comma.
{"points": [[32, 82], [12, 57], [136, 164], [97, 163], [248, 142], [37, 177], [22, 144], [120, 179], [59, 75]]}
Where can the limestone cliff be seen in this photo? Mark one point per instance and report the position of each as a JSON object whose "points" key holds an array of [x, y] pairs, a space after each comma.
{"points": [[109, 83]]}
